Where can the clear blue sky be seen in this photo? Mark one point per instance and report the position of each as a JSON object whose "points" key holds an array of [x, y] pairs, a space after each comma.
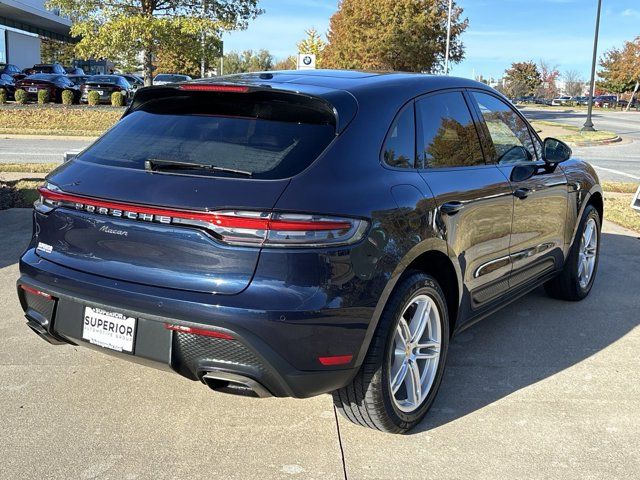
{"points": [[500, 31]]}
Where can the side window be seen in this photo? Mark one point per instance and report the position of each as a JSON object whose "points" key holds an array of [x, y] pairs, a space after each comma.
{"points": [[447, 136], [399, 146], [509, 133]]}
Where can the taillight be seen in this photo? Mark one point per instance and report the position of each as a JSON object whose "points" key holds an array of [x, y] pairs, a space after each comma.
{"points": [[233, 227]]}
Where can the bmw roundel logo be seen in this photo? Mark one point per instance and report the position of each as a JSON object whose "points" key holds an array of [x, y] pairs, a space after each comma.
{"points": [[306, 60]]}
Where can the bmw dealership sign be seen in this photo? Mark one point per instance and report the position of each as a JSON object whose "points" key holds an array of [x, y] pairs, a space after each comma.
{"points": [[306, 61]]}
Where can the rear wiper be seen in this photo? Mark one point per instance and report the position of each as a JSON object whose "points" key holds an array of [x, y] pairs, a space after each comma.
{"points": [[155, 165]]}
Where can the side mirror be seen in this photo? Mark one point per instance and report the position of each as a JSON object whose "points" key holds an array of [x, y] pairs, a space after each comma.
{"points": [[555, 151]]}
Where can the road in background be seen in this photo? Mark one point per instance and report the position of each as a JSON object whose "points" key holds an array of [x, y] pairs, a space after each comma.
{"points": [[543, 389], [38, 150], [618, 162]]}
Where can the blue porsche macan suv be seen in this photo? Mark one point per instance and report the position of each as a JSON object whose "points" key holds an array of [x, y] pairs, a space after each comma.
{"points": [[297, 233]]}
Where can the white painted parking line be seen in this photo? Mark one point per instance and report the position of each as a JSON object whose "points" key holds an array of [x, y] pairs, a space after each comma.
{"points": [[32, 154], [617, 172]]}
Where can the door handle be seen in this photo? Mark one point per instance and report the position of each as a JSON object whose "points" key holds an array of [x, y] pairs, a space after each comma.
{"points": [[451, 208], [522, 193]]}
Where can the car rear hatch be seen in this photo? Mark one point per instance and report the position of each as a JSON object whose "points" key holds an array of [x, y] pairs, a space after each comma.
{"points": [[143, 204]]}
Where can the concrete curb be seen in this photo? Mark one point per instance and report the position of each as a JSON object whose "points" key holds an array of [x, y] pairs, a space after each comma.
{"points": [[596, 143]]}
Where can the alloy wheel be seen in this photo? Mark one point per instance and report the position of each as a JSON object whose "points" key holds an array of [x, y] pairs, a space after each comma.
{"points": [[416, 353], [587, 253]]}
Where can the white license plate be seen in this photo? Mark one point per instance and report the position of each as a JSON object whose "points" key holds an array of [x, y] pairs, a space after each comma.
{"points": [[108, 329], [100, 92], [33, 89]]}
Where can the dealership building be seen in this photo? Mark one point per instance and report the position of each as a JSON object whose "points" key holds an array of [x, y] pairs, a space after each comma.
{"points": [[22, 24]]}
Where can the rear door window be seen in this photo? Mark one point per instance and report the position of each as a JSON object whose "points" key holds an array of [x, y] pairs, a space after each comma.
{"points": [[261, 135], [447, 136]]}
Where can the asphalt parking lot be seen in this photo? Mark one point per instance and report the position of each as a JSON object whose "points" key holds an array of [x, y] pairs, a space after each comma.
{"points": [[543, 389]]}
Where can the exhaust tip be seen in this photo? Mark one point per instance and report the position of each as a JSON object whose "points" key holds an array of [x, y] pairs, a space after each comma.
{"points": [[234, 384]]}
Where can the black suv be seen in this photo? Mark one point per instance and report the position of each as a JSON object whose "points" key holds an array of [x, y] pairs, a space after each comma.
{"points": [[296, 233]]}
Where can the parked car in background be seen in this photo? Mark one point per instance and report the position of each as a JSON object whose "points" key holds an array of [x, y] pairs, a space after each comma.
{"points": [[48, 68], [9, 69], [106, 85], [164, 78], [79, 79], [74, 71], [542, 101], [582, 100], [605, 101], [8, 84], [54, 83], [623, 103], [209, 233], [563, 100], [134, 80]]}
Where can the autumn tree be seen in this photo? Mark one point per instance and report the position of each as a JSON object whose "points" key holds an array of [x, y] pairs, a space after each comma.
{"points": [[248, 61], [573, 83], [184, 54], [522, 79], [548, 80], [55, 51], [407, 35], [120, 27], [621, 69], [313, 44], [289, 63]]}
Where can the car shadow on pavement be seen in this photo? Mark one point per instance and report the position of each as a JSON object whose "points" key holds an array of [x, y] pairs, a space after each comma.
{"points": [[15, 233], [537, 337]]}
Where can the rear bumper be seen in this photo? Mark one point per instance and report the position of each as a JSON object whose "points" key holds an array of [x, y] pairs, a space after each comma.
{"points": [[276, 349]]}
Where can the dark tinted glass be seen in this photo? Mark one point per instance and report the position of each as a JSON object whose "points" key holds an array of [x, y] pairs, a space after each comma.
{"points": [[268, 148], [509, 133], [45, 69], [447, 136], [399, 147], [104, 79]]}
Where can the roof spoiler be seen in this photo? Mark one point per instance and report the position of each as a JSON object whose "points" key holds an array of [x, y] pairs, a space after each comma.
{"points": [[340, 104]]}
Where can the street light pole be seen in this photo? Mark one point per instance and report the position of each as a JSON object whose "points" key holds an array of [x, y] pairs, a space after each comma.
{"points": [[588, 124], [446, 54]]}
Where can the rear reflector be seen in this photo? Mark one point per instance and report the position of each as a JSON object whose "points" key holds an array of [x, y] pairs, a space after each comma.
{"points": [[33, 291], [335, 360], [198, 331], [234, 227], [194, 87]]}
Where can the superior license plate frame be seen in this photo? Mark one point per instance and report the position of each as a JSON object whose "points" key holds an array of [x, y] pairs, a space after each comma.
{"points": [[109, 329]]}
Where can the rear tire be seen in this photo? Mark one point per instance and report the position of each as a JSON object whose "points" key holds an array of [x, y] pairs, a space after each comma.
{"points": [[394, 368], [572, 284]]}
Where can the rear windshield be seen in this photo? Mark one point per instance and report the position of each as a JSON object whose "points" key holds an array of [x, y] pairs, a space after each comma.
{"points": [[268, 139], [44, 76], [44, 68], [97, 78]]}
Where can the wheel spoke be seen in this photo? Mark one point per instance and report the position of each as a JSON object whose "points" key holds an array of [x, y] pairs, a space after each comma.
{"points": [[399, 377], [414, 389], [402, 331], [419, 320], [427, 350], [581, 267], [588, 233]]}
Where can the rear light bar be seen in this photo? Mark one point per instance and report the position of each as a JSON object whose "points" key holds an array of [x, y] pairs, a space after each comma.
{"points": [[198, 331], [233, 227], [34, 291], [207, 87]]}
